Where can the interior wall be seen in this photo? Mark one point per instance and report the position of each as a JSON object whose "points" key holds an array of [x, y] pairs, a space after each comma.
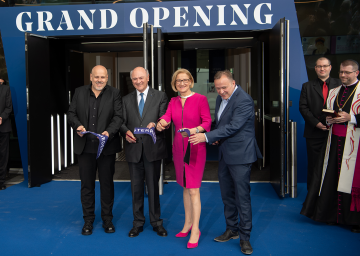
{"points": [[107, 59]]}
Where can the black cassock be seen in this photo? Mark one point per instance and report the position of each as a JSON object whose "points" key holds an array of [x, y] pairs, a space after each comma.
{"points": [[332, 206]]}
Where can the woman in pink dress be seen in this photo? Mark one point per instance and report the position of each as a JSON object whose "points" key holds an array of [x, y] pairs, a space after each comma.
{"points": [[189, 110]]}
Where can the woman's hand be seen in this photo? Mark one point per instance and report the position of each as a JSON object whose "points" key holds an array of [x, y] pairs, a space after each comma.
{"points": [[161, 125]]}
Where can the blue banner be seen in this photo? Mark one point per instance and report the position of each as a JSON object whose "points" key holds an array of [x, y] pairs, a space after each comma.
{"points": [[102, 141], [149, 131]]}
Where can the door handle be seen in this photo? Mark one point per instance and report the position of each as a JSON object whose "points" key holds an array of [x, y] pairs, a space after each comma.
{"points": [[275, 119]]}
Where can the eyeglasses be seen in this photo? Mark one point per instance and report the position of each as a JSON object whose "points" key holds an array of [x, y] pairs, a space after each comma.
{"points": [[178, 81], [346, 72], [324, 66]]}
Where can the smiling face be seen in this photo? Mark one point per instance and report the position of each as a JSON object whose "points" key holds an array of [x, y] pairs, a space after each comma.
{"points": [[323, 69], [183, 83], [140, 79], [224, 86], [348, 75], [98, 77]]}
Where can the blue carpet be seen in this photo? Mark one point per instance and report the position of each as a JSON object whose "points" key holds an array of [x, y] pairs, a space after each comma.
{"points": [[48, 221]]}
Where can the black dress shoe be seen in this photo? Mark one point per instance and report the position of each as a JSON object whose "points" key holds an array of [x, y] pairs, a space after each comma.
{"points": [[87, 228], [2, 187], [355, 229], [228, 234], [108, 226], [246, 247], [160, 230], [135, 231]]}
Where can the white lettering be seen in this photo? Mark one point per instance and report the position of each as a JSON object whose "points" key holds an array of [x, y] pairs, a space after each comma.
{"points": [[178, 16], [221, 15], [114, 18], [202, 15], [257, 14], [41, 21], [19, 22], [157, 16], [145, 17], [65, 15], [240, 14], [89, 23]]}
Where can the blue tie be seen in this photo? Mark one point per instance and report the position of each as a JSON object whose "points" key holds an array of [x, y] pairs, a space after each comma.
{"points": [[141, 104]]}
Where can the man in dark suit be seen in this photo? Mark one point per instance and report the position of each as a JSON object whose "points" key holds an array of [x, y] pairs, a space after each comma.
{"points": [[312, 101], [233, 130], [5, 129], [142, 108], [96, 108]]}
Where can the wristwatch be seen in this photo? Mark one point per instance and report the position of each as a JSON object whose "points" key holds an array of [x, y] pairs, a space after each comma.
{"points": [[197, 130]]}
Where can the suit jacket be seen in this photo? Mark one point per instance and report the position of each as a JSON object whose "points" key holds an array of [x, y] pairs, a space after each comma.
{"points": [[109, 117], [5, 108], [155, 107], [235, 130], [311, 104]]}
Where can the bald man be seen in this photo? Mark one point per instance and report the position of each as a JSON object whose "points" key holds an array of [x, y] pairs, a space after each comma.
{"points": [[96, 108]]}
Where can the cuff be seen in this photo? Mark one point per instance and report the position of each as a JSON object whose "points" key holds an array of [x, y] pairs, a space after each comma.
{"points": [[353, 120], [206, 138]]}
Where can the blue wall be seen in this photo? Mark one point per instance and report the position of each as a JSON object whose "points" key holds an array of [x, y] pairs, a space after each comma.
{"points": [[116, 19]]}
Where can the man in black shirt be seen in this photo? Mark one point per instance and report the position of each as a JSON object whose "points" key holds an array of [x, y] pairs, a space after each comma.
{"points": [[312, 101], [96, 108]]}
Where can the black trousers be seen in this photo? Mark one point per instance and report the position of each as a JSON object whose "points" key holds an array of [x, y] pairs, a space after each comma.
{"points": [[4, 155], [150, 172], [313, 147], [88, 165], [234, 181]]}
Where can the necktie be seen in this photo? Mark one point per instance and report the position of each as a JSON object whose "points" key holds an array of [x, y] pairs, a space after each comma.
{"points": [[325, 91], [141, 104]]}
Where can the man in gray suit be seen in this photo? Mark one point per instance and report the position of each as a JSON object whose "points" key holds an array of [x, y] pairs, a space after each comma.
{"points": [[5, 129], [142, 108]]}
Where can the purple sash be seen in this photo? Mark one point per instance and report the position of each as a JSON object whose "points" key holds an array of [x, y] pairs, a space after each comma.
{"points": [[149, 131], [102, 141], [185, 130]]}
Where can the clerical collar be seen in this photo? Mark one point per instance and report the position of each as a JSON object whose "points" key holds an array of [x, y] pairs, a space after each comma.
{"points": [[350, 84]]}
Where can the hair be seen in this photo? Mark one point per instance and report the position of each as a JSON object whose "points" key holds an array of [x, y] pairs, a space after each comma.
{"points": [[322, 58], [226, 73], [181, 71], [147, 71], [352, 63]]}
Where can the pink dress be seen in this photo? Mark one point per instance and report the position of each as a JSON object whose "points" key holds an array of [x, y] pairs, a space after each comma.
{"points": [[196, 112]]}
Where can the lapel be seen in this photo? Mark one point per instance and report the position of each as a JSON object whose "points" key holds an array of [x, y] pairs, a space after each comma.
{"points": [[86, 104], [135, 105], [148, 101], [104, 98], [318, 88], [218, 102], [235, 94]]}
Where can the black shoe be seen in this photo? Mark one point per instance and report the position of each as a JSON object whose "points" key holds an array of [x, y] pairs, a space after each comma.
{"points": [[246, 247], [135, 231], [160, 230], [228, 234], [87, 228], [108, 226], [355, 229], [2, 187]]}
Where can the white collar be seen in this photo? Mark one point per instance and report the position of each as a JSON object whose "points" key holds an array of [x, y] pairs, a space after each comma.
{"points": [[145, 92]]}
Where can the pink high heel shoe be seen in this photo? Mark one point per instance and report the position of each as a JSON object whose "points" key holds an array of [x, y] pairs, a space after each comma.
{"points": [[180, 234], [193, 245]]}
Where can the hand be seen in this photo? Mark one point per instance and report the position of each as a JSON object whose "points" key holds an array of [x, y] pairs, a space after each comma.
{"points": [[321, 127], [150, 125], [343, 117], [192, 132], [330, 120], [0, 120], [130, 137], [105, 133], [161, 125], [197, 138], [80, 129], [215, 143]]}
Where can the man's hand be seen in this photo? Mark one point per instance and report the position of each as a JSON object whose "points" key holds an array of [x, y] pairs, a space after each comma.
{"points": [[343, 117], [130, 137], [150, 125], [80, 129], [321, 127], [105, 133], [330, 120], [0, 120], [215, 143], [161, 125], [197, 138]]}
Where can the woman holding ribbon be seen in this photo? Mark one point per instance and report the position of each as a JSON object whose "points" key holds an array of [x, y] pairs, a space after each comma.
{"points": [[190, 114]]}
